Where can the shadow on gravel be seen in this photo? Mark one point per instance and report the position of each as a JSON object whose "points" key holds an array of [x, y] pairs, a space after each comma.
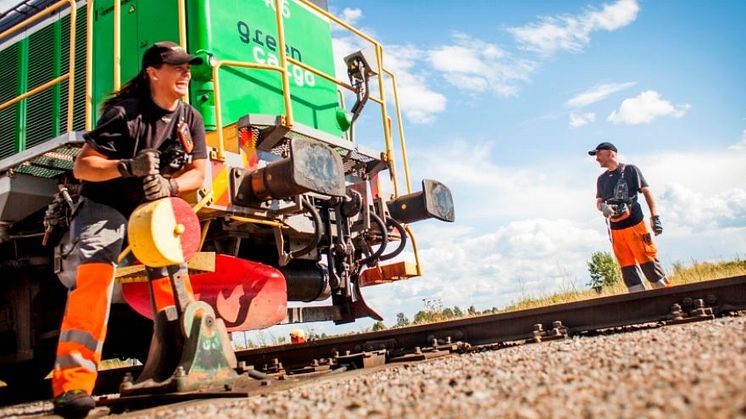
{"points": [[11, 395]]}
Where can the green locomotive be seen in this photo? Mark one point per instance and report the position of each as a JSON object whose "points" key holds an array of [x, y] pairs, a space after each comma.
{"points": [[293, 207]]}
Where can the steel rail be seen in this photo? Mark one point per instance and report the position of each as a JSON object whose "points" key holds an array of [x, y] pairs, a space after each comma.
{"points": [[599, 313]]}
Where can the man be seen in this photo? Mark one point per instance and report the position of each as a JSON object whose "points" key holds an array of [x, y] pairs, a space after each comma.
{"points": [[147, 145], [616, 198]]}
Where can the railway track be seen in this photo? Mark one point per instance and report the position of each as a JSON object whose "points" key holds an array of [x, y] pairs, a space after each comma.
{"points": [[277, 368]]}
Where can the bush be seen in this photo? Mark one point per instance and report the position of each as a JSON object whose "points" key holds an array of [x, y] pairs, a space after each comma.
{"points": [[604, 271]]}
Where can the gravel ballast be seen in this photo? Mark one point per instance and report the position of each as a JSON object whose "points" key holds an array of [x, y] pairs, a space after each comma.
{"points": [[690, 370]]}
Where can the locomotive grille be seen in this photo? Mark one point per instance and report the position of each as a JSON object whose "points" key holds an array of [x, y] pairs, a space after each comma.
{"points": [[47, 55], [7, 92], [50, 164]]}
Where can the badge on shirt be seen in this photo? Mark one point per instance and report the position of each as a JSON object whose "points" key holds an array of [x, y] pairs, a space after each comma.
{"points": [[185, 136]]}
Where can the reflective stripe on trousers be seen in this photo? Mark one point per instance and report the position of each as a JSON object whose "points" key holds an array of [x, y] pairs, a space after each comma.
{"points": [[83, 329]]}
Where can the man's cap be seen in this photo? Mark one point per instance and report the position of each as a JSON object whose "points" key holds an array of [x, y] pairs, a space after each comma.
{"points": [[166, 52], [602, 146]]}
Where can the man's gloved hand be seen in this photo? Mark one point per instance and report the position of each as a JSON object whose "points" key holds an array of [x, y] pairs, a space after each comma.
{"points": [[157, 187], [607, 210], [147, 162], [655, 223]]}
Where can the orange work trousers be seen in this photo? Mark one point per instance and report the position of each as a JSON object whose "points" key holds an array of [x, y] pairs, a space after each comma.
{"points": [[634, 245]]}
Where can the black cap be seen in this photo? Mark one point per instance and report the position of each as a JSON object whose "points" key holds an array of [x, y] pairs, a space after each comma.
{"points": [[166, 52], [602, 146]]}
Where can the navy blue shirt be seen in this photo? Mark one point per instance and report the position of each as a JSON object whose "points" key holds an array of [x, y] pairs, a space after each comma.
{"points": [[635, 182]]}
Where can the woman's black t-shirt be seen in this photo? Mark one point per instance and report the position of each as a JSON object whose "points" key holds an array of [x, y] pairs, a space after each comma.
{"points": [[126, 128]]}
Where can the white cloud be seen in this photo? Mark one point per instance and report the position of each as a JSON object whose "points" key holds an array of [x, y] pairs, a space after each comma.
{"points": [[645, 108], [489, 193], [572, 33], [577, 120], [477, 66], [418, 101], [351, 15], [741, 145], [695, 210], [529, 257], [597, 94]]}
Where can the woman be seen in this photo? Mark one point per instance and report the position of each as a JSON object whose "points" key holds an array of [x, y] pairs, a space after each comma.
{"points": [[147, 145]]}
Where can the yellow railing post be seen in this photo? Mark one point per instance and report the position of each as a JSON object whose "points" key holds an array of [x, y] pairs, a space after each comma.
{"points": [[182, 34], [384, 116], [288, 123], [414, 249], [89, 67], [71, 67], [402, 140], [117, 44]]}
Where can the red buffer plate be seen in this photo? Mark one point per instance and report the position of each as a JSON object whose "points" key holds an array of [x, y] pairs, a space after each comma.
{"points": [[246, 295], [190, 239]]}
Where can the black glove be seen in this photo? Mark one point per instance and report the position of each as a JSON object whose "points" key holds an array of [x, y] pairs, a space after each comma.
{"points": [[157, 187], [56, 220], [655, 223], [147, 162]]}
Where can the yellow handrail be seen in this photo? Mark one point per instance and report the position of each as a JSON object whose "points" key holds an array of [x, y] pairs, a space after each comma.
{"points": [[89, 67], [182, 35], [69, 76], [414, 249], [402, 140], [34, 18], [288, 122], [384, 117], [34, 91], [321, 74], [71, 66], [117, 44], [216, 83]]}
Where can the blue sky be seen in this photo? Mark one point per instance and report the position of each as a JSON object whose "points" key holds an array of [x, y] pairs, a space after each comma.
{"points": [[503, 99]]}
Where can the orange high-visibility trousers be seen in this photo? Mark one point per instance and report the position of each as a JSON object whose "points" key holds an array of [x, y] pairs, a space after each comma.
{"points": [[633, 245], [83, 329]]}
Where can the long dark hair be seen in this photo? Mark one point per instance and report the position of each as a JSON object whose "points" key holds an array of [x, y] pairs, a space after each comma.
{"points": [[138, 86]]}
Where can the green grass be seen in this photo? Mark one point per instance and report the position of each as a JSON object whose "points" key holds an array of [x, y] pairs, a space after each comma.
{"points": [[696, 272]]}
